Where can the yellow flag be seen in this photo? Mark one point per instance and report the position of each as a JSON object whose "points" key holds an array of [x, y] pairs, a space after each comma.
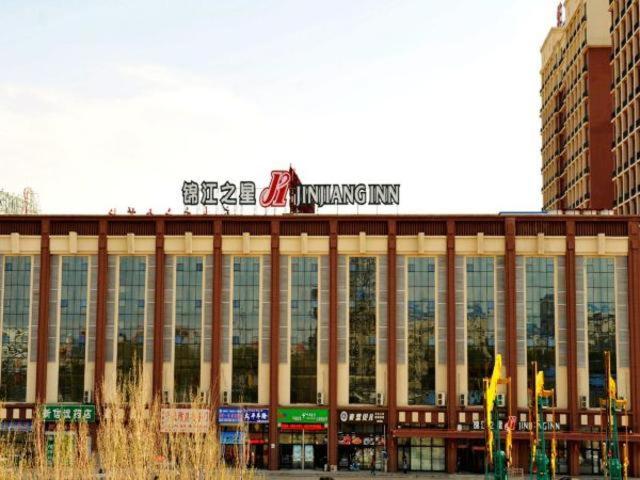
{"points": [[539, 383], [612, 387]]}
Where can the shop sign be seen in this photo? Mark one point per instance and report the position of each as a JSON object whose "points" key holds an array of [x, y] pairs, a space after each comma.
{"points": [[256, 415], [284, 188], [16, 426], [303, 415], [184, 420], [235, 437], [70, 413], [519, 426], [236, 415], [363, 417], [229, 415], [307, 427]]}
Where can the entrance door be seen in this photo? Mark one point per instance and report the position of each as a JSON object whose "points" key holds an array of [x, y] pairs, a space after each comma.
{"points": [[309, 457], [296, 462]]}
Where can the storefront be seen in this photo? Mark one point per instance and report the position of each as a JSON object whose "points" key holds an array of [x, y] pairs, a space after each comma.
{"points": [[303, 438], [70, 415], [421, 454], [244, 436], [362, 440]]}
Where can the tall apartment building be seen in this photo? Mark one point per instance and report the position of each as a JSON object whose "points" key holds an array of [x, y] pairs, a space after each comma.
{"points": [[625, 17], [576, 109]]}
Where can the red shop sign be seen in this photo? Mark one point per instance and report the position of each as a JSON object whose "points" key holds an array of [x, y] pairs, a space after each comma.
{"points": [[307, 427]]}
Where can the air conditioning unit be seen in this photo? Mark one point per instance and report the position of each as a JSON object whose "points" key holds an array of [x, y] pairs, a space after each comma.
{"points": [[500, 401], [441, 399], [225, 397], [86, 398], [462, 399], [583, 401], [320, 398], [379, 399]]}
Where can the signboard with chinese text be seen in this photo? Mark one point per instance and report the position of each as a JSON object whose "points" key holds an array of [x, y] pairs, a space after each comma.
{"points": [[285, 189], [69, 413], [237, 415], [359, 416], [303, 415], [184, 420]]}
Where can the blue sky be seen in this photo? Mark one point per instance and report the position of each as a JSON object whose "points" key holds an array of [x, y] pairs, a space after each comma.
{"points": [[113, 104]]}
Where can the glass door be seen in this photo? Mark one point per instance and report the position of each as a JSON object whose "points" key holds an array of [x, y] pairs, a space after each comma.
{"points": [[308, 457]]}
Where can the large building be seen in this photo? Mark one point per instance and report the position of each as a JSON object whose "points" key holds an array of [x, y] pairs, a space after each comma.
{"points": [[577, 133], [336, 338], [625, 17]]}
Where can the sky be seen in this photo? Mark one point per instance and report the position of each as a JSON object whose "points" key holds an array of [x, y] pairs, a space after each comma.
{"points": [[114, 104]]}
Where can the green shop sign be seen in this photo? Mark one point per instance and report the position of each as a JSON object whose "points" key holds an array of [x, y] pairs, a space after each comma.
{"points": [[303, 415], [69, 413]]}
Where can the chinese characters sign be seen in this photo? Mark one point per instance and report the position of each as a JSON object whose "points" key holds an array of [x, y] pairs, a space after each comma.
{"points": [[184, 420], [234, 416], [69, 413], [363, 417], [303, 415], [284, 188]]}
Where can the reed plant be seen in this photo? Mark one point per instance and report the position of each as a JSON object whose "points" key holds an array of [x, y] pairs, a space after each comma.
{"points": [[127, 444]]}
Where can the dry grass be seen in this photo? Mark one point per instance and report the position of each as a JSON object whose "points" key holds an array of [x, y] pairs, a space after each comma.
{"points": [[129, 445]]}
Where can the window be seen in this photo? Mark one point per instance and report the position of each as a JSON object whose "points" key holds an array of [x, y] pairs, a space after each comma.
{"points": [[601, 324], [73, 328], [15, 328], [246, 324], [304, 329], [131, 304], [362, 329], [421, 454], [480, 324], [540, 305], [188, 327], [421, 337]]}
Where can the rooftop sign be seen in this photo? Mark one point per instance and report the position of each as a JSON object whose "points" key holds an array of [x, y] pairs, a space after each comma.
{"points": [[285, 189]]}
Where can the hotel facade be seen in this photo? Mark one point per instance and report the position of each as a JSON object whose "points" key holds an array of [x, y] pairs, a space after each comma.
{"points": [[329, 340]]}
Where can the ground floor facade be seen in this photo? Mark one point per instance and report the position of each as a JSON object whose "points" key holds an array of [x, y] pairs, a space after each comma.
{"points": [[354, 342]]}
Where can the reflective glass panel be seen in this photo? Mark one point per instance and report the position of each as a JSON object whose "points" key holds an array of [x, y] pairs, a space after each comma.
{"points": [[362, 329], [15, 328], [131, 303], [188, 328], [601, 323], [246, 324], [421, 339], [304, 329], [480, 324], [73, 328], [540, 295]]}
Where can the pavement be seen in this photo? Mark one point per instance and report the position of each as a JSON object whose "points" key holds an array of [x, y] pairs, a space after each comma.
{"points": [[316, 475]]}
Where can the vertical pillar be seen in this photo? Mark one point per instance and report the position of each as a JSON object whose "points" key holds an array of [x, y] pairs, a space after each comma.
{"points": [[217, 313], [101, 314], [275, 344], [572, 358], [510, 311], [158, 320], [332, 433], [451, 446], [574, 458], [43, 313], [391, 346], [633, 269]]}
